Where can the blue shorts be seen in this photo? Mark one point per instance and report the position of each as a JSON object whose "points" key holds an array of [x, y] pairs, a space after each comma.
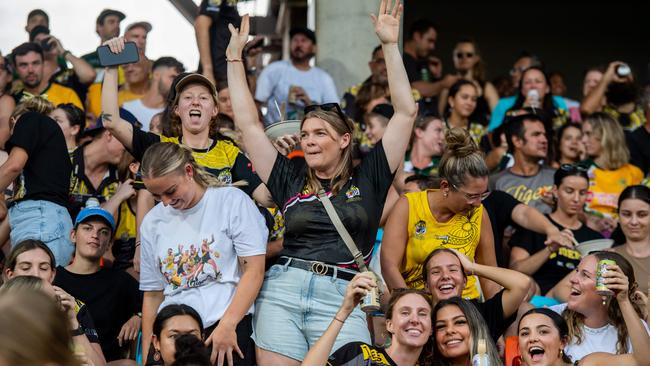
{"points": [[45, 221], [295, 307]]}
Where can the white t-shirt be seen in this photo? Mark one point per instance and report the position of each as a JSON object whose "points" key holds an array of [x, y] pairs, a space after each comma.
{"points": [[191, 255], [143, 113], [275, 80], [603, 339]]}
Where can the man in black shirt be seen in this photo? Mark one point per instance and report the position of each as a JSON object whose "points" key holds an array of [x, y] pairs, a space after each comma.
{"points": [[638, 141], [445, 272], [421, 42], [112, 296], [212, 36]]}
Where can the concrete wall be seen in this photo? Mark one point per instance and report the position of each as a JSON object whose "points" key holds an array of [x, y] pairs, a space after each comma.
{"points": [[346, 39]]}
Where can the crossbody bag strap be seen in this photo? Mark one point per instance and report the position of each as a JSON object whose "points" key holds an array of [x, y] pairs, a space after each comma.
{"points": [[343, 232]]}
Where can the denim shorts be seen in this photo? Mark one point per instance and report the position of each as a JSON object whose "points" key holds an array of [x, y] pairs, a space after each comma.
{"points": [[45, 221], [295, 307]]}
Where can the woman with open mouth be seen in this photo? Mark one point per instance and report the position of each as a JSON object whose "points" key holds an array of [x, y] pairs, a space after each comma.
{"points": [[408, 321], [304, 289], [458, 328], [450, 217], [600, 323], [544, 334]]}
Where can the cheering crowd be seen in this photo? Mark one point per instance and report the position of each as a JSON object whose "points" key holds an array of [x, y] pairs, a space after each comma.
{"points": [[248, 214]]}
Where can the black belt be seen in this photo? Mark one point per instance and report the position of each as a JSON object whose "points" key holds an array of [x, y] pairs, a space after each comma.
{"points": [[319, 268]]}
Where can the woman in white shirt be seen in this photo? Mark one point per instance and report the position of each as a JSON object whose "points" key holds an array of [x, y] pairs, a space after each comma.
{"points": [[204, 246], [603, 324]]}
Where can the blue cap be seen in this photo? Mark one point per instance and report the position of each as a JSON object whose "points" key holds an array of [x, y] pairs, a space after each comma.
{"points": [[99, 124], [90, 212]]}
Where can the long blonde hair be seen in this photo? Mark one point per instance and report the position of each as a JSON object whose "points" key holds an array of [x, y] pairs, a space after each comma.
{"points": [[344, 168], [34, 330], [614, 152], [166, 158]]}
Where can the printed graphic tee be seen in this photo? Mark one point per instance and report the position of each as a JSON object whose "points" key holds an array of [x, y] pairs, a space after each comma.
{"points": [[191, 255]]}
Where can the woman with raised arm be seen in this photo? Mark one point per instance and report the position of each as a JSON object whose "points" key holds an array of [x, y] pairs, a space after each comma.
{"points": [[194, 114], [600, 323], [303, 290]]}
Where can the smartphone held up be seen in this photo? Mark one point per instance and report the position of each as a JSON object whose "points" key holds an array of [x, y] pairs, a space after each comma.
{"points": [[127, 56]]}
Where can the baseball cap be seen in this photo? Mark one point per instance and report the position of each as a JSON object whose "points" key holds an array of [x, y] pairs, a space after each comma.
{"points": [[304, 31], [193, 78], [107, 12], [146, 25], [99, 124], [95, 212]]}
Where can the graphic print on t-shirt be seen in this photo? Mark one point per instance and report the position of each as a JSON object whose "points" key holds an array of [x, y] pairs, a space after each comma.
{"points": [[191, 266]]}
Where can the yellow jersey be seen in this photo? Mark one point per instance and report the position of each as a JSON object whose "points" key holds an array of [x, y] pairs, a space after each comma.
{"points": [[425, 234]]}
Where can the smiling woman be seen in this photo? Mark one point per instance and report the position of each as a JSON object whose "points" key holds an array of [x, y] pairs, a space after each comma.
{"points": [[458, 329], [202, 246], [451, 217]]}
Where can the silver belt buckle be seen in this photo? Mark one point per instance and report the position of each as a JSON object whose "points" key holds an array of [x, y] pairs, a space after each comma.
{"points": [[319, 268]]}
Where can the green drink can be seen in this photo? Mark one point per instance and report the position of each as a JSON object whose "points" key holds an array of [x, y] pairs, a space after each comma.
{"points": [[601, 288]]}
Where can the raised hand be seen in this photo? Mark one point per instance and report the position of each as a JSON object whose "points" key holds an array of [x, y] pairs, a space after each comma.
{"points": [[116, 45], [238, 39], [387, 22]]}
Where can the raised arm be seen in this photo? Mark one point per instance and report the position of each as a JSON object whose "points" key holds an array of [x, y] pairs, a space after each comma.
{"points": [[485, 254], [593, 102], [258, 146], [356, 290], [82, 69], [515, 284], [121, 129], [398, 131]]}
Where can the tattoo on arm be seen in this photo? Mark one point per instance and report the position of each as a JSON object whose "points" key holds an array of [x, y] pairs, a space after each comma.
{"points": [[106, 117]]}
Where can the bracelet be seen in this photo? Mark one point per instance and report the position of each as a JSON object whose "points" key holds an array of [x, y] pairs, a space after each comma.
{"points": [[77, 332], [137, 243], [337, 319], [234, 60]]}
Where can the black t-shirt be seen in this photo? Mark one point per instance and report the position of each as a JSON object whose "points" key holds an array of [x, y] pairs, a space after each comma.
{"points": [[492, 311], [309, 232], [499, 206], [639, 144], [85, 320], [560, 263], [223, 159], [112, 298], [46, 174], [360, 354], [221, 12], [416, 69]]}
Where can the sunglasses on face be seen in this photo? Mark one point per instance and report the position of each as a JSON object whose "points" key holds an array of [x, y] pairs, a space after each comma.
{"points": [[472, 197], [464, 55], [328, 107]]}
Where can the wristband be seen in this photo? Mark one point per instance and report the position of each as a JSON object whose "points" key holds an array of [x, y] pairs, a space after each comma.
{"points": [[77, 332], [337, 319], [234, 60], [65, 53]]}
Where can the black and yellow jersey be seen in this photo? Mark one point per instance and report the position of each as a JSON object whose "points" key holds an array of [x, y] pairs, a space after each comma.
{"points": [[223, 158]]}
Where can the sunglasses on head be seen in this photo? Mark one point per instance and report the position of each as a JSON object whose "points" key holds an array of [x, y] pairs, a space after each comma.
{"points": [[328, 107], [464, 55], [569, 168]]}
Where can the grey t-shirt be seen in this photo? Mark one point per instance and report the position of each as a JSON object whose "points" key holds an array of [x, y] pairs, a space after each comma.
{"points": [[526, 189]]}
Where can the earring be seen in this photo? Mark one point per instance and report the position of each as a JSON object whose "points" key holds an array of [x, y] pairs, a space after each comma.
{"points": [[156, 355], [561, 353], [444, 194]]}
